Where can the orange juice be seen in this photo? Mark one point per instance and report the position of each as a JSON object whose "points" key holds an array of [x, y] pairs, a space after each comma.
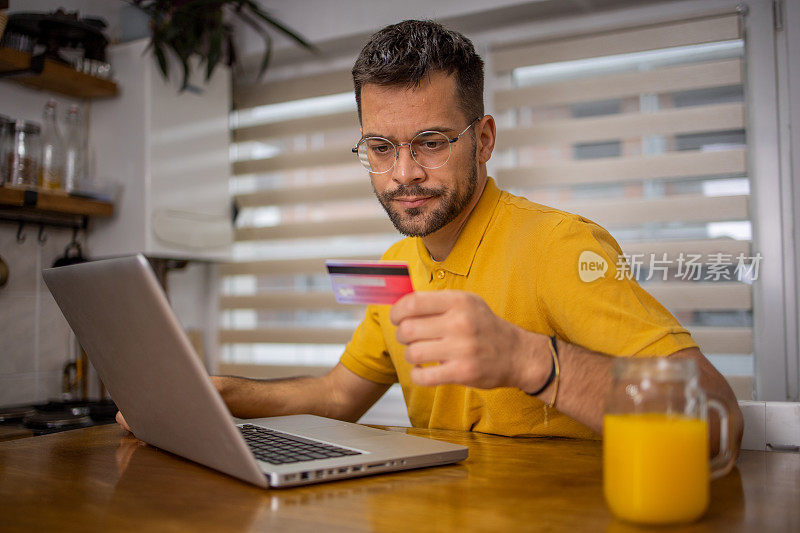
{"points": [[655, 467]]}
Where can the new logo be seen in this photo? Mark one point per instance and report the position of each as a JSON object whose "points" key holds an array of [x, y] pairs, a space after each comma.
{"points": [[591, 266]]}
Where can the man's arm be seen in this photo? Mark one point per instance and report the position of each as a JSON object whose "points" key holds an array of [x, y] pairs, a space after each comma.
{"points": [[339, 394], [585, 380], [475, 347]]}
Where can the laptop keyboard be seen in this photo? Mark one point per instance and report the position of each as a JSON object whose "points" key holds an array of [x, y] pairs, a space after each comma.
{"points": [[281, 448]]}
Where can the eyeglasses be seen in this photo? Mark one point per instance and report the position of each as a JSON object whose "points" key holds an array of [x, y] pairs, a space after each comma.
{"points": [[430, 149]]}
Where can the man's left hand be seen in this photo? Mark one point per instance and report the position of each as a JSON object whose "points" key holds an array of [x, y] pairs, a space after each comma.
{"points": [[472, 345]]}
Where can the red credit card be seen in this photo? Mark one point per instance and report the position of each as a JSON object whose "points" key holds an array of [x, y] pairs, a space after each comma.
{"points": [[369, 282]]}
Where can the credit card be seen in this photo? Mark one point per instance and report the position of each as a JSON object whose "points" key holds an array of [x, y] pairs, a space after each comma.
{"points": [[369, 282]]}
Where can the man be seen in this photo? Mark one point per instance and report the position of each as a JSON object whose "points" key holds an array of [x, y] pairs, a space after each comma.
{"points": [[500, 324]]}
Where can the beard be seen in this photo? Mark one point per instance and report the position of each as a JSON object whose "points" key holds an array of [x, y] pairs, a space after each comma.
{"points": [[414, 221]]}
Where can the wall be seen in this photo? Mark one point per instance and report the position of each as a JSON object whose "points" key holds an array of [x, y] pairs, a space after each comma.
{"points": [[193, 295], [34, 337]]}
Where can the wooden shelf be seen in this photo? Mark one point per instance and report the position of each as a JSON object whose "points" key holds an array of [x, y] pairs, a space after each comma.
{"points": [[55, 77], [55, 202]]}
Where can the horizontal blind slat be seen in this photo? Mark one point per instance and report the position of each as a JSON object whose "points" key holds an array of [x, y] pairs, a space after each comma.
{"points": [[325, 228], [742, 386], [668, 166], [349, 190], [723, 340], [270, 371], [298, 126], [280, 300], [681, 208], [656, 81], [278, 267], [274, 92], [701, 296], [315, 157], [285, 335], [704, 248], [718, 117], [509, 57]]}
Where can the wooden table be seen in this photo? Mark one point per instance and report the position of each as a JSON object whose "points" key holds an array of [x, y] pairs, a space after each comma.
{"points": [[101, 479]]}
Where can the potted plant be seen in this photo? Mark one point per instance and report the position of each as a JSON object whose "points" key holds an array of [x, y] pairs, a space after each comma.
{"points": [[203, 28]]}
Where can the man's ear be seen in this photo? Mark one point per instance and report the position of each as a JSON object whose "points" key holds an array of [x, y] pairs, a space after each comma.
{"points": [[486, 134]]}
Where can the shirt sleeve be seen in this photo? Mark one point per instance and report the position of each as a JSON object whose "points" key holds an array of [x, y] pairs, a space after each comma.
{"points": [[366, 354], [589, 301]]}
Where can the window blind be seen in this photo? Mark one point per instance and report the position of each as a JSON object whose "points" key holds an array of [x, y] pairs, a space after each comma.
{"points": [[302, 198], [643, 131]]}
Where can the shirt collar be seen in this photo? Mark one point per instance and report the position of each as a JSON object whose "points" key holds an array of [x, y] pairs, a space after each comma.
{"points": [[460, 258]]}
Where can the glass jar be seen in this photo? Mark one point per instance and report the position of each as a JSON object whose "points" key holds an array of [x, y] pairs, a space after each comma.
{"points": [[656, 441], [23, 152]]}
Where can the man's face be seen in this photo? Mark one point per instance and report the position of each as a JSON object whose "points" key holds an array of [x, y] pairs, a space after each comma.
{"points": [[420, 201]]}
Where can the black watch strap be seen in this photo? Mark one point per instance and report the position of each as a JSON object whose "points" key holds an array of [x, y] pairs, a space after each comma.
{"points": [[552, 375]]}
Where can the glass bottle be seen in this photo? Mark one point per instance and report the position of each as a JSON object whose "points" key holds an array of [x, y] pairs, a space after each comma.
{"points": [[74, 151], [52, 170], [6, 129], [22, 154]]}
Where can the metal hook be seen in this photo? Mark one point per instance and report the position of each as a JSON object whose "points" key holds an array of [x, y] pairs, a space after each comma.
{"points": [[20, 235], [42, 238]]}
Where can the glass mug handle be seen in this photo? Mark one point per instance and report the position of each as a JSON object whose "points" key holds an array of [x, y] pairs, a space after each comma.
{"points": [[720, 462]]}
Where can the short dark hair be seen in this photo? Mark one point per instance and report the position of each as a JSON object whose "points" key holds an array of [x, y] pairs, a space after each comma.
{"points": [[403, 53]]}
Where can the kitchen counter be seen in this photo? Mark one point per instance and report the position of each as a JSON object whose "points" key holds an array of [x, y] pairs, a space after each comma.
{"points": [[102, 479]]}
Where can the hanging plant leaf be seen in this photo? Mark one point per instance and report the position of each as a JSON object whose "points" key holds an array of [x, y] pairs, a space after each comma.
{"points": [[267, 41], [257, 11], [158, 51], [200, 28], [214, 51]]}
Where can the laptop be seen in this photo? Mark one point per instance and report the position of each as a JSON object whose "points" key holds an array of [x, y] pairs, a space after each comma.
{"points": [[124, 322]]}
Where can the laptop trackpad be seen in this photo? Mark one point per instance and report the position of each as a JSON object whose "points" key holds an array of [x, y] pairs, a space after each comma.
{"points": [[343, 434]]}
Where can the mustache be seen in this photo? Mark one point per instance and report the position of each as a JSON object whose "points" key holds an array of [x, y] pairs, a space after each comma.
{"points": [[411, 190]]}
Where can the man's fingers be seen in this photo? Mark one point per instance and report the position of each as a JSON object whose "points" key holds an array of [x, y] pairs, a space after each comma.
{"points": [[429, 352], [121, 422], [424, 303], [429, 376], [414, 329]]}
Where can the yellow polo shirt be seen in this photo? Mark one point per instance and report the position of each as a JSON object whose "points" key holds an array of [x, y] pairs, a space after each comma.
{"points": [[523, 259]]}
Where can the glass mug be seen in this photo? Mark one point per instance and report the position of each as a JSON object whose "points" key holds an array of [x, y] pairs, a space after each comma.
{"points": [[656, 467]]}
